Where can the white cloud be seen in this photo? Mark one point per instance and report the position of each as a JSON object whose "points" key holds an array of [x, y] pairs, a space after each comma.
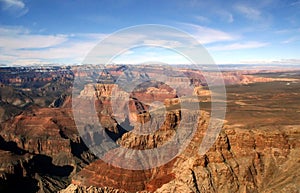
{"points": [[161, 36], [248, 12], [20, 38], [238, 46], [31, 41], [13, 3], [69, 52], [166, 43], [19, 46], [206, 35], [15, 7]]}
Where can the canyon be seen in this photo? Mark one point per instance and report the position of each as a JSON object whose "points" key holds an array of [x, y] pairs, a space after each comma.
{"points": [[257, 149]]}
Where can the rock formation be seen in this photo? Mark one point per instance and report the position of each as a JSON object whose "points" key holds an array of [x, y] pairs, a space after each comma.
{"points": [[41, 151]]}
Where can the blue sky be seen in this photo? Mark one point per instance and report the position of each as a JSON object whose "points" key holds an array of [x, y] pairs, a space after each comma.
{"points": [[63, 31]]}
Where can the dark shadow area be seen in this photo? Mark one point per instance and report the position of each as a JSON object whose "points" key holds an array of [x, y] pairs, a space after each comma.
{"points": [[122, 128], [43, 165], [15, 184], [62, 134], [11, 146], [78, 150]]}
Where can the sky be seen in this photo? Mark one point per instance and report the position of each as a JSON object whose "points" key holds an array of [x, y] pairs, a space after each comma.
{"points": [[233, 32]]}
